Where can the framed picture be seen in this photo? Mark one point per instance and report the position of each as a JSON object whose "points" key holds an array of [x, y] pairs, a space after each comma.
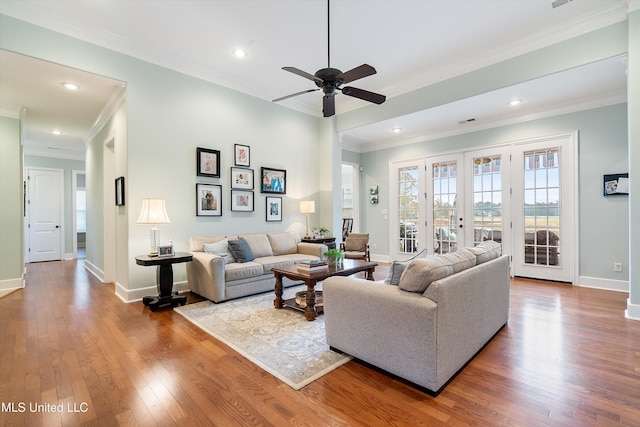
{"points": [[208, 162], [274, 209], [616, 184], [242, 200], [241, 156], [242, 178], [120, 191], [208, 200], [164, 251], [273, 181]]}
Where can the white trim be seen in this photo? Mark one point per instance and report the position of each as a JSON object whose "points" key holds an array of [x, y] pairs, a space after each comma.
{"points": [[356, 193], [605, 284], [11, 284], [133, 295], [117, 99], [633, 311], [94, 270]]}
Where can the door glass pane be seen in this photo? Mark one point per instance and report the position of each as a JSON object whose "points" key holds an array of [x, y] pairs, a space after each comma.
{"points": [[408, 208], [487, 199], [445, 177], [542, 207]]}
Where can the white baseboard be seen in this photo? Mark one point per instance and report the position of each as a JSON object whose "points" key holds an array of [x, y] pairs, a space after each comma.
{"points": [[633, 311], [99, 274], [133, 295], [11, 284], [69, 257], [380, 258], [606, 284]]}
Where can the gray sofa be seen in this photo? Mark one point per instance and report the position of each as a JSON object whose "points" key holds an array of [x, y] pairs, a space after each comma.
{"points": [[442, 312], [216, 274]]}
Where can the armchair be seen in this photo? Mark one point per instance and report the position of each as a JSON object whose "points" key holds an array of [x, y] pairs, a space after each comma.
{"points": [[356, 246]]}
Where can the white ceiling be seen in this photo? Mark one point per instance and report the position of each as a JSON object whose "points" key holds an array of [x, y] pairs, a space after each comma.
{"points": [[412, 43]]}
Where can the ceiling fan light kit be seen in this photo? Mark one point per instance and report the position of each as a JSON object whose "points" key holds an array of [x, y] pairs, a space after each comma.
{"points": [[330, 80]]}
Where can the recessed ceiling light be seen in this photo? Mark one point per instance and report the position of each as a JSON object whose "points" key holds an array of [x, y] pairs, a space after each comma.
{"points": [[70, 86], [515, 102], [56, 131], [239, 53], [396, 130]]}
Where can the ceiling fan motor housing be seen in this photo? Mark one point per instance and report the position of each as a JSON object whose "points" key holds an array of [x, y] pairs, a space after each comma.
{"points": [[328, 79]]}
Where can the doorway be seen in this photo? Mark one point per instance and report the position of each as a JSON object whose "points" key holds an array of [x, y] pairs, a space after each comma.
{"points": [[521, 195], [44, 225]]}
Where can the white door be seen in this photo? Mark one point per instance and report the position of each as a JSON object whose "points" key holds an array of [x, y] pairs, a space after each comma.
{"points": [[407, 208], [544, 200], [487, 211], [45, 218], [445, 204]]}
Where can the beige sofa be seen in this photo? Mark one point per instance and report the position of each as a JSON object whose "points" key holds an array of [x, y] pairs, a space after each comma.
{"points": [[442, 312], [217, 275]]}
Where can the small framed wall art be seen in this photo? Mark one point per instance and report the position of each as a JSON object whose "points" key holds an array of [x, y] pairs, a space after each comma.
{"points": [[208, 162], [242, 200], [120, 191], [273, 180], [242, 178], [242, 155], [274, 209], [616, 184], [208, 200]]}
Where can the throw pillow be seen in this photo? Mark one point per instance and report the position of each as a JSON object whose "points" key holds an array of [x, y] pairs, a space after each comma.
{"points": [[241, 251], [283, 243], [220, 248], [397, 267], [486, 251], [421, 272]]}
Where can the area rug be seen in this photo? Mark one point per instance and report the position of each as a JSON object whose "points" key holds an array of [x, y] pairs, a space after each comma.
{"points": [[282, 342]]}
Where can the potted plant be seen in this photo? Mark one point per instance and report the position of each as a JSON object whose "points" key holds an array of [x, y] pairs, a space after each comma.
{"points": [[334, 256], [320, 231]]}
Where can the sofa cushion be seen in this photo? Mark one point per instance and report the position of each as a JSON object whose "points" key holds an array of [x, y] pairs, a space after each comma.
{"points": [[196, 243], [220, 248], [259, 244], [238, 271], [284, 243], [460, 259], [397, 267], [241, 250], [486, 251], [270, 262], [419, 274]]}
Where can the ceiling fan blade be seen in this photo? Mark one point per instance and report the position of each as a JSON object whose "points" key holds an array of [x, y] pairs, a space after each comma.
{"points": [[376, 98], [295, 94], [356, 73], [328, 105], [301, 73]]}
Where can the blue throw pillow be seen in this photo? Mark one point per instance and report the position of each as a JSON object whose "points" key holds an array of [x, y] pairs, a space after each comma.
{"points": [[397, 267], [240, 250]]}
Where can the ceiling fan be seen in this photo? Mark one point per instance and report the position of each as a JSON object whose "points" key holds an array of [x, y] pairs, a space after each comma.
{"points": [[330, 80]]}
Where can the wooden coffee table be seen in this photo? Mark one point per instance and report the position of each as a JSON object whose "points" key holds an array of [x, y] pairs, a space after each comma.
{"points": [[349, 267]]}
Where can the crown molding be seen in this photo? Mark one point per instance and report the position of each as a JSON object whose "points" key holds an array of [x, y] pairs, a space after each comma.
{"points": [[118, 98], [524, 116]]}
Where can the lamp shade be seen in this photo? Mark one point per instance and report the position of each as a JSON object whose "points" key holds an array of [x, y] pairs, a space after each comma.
{"points": [[307, 206], [153, 211]]}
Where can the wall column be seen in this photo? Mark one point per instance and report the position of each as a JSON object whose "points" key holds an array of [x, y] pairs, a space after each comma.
{"points": [[633, 113]]}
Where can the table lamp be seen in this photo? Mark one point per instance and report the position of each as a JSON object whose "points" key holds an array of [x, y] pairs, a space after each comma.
{"points": [[153, 211], [307, 207]]}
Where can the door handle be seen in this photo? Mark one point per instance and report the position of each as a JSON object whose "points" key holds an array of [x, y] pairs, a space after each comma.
{"points": [[57, 226]]}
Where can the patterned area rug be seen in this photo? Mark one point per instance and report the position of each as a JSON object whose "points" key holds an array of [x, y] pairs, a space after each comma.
{"points": [[282, 342]]}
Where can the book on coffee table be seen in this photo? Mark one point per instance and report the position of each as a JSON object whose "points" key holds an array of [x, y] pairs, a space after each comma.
{"points": [[312, 265]]}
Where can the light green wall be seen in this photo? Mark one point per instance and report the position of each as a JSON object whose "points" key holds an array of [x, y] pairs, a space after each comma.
{"points": [[11, 201], [169, 114], [604, 221], [68, 166]]}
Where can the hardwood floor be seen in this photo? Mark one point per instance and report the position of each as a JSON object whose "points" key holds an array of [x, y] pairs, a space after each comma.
{"points": [[567, 357]]}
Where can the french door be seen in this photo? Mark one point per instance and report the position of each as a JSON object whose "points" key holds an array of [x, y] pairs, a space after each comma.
{"points": [[521, 195]]}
